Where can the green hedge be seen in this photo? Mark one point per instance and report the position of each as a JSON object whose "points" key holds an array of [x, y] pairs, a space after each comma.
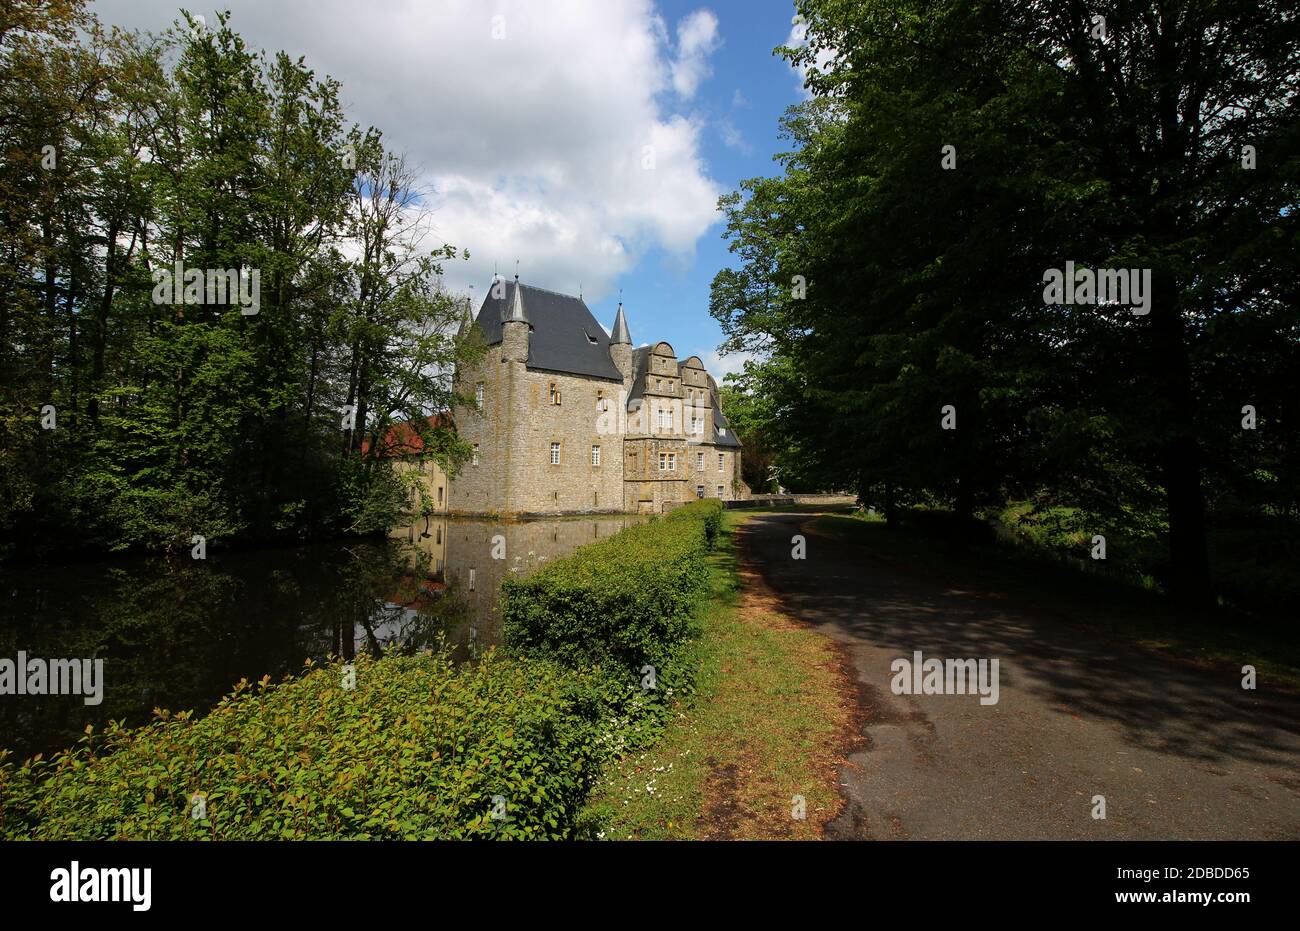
{"points": [[621, 603], [420, 747], [708, 510], [417, 750]]}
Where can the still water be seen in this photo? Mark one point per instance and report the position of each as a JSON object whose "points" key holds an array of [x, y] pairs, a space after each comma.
{"points": [[179, 636]]}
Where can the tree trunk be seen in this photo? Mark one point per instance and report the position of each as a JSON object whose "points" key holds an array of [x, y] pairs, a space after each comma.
{"points": [[1189, 575]]}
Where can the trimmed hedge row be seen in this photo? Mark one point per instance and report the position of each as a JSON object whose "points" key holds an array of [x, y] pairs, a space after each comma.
{"points": [[617, 603], [420, 748]]}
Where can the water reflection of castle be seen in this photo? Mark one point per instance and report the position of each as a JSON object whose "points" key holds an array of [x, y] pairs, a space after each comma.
{"points": [[467, 560]]}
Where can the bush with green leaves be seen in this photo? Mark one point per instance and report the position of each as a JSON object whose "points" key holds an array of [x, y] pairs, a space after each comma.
{"points": [[619, 603], [708, 510], [418, 749]]}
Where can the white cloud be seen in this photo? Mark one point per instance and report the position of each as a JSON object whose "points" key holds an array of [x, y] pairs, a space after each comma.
{"points": [[732, 137], [697, 39], [533, 143], [720, 366]]}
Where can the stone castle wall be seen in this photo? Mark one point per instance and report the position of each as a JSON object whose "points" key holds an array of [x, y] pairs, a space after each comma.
{"points": [[519, 421]]}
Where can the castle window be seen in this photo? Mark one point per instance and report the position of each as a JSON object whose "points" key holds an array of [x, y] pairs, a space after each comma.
{"points": [[595, 455], [475, 457], [720, 491], [667, 462], [440, 496], [602, 403], [659, 384], [555, 393], [478, 395], [697, 425], [471, 580], [721, 460], [665, 418], [699, 491], [555, 454], [699, 460]]}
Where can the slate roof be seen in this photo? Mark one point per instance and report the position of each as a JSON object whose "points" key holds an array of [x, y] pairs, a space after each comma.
{"points": [[565, 337], [719, 438], [639, 366]]}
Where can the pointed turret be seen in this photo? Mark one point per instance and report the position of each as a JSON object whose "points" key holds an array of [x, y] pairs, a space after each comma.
{"points": [[514, 311], [515, 327], [620, 349], [466, 319], [620, 332]]}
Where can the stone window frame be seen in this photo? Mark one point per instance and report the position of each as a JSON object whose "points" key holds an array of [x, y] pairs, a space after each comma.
{"points": [[722, 461], [667, 462], [474, 460], [555, 394], [699, 461], [722, 491], [595, 455], [478, 395], [557, 450]]}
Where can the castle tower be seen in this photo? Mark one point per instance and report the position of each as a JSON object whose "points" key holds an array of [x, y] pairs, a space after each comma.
{"points": [[514, 328], [620, 348]]}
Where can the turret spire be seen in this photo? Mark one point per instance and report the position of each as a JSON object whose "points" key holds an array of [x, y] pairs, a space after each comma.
{"points": [[514, 312], [620, 332], [466, 319]]}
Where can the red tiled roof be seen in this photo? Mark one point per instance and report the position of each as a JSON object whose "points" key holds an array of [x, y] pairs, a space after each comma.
{"points": [[402, 439]]}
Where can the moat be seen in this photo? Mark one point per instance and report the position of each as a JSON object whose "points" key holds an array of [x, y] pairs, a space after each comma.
{"points": [[179, 636]]}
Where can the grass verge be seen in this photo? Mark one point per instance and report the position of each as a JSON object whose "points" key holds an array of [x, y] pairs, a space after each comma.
{"points": [[772, 719]]}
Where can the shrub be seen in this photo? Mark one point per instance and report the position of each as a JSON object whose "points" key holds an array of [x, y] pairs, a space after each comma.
{"points": [[708, 510], [417, 750], [619, 603]]}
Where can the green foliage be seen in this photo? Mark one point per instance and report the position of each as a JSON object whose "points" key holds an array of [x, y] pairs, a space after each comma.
{"points": [[622, 602], [184, 417], [922, 285], [417, 750]]}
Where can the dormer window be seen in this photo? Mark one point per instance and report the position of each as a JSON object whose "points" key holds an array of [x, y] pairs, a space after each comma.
{"points": [[591, 339]]}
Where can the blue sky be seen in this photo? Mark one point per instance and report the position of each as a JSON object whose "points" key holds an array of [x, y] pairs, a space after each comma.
{"points": [[528, 121], [746, 94]]}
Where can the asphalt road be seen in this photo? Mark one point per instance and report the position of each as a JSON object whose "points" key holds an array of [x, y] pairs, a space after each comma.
{"points": [[1176, 751]]}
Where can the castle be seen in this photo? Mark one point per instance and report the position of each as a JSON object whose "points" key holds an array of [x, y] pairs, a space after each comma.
{"points": [[567, 419]]}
